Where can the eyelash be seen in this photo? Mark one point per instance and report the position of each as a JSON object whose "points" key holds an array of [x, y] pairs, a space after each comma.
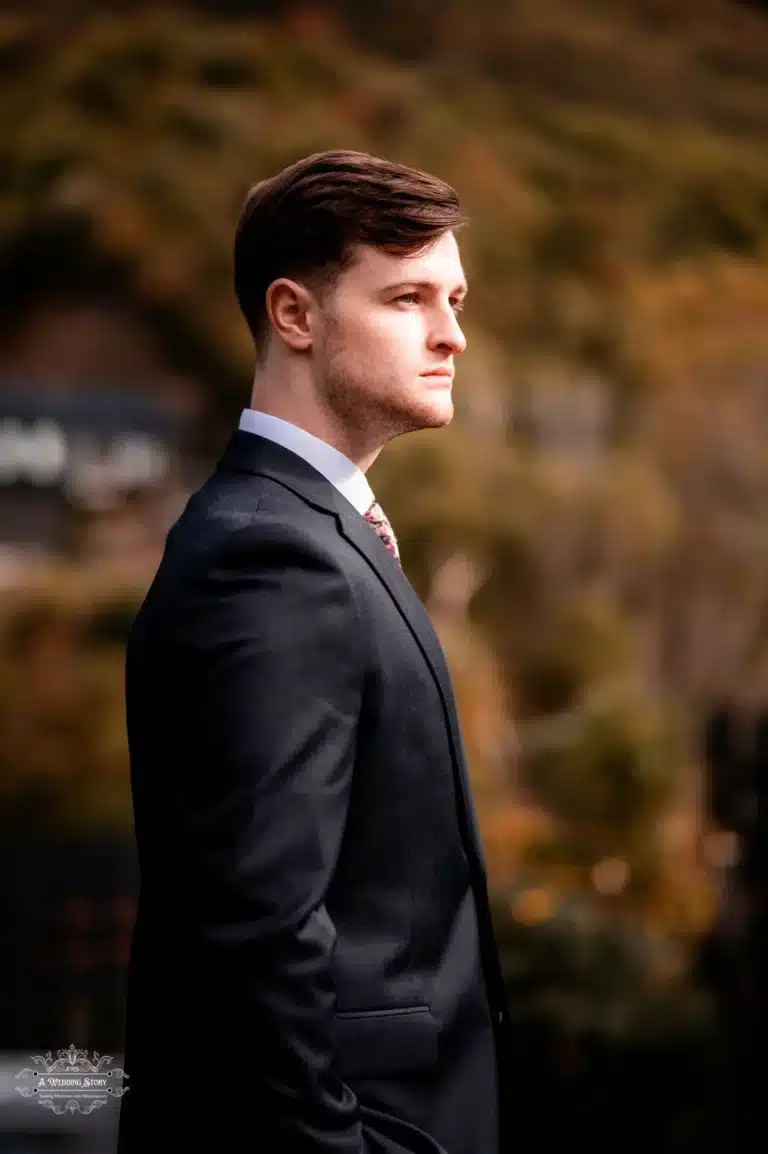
{"points": [[457, 305]]}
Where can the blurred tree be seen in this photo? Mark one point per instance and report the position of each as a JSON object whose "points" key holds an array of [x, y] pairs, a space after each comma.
{"points": [[63, 754], [605, 471], [608, 771]]}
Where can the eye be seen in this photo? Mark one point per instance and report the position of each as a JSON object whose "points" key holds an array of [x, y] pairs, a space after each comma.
{"points": [[409, 297], [457, 305]]}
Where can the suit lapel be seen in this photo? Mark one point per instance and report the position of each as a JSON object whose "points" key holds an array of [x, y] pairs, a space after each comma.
{"points": [[360, 534], [363, 537]]}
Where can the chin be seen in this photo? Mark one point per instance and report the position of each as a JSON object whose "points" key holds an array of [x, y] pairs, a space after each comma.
{"points": [[440, 414], [431, 413]]}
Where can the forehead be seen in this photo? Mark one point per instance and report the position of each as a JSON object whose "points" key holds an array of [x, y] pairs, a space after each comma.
{"points": [[440, 263]]}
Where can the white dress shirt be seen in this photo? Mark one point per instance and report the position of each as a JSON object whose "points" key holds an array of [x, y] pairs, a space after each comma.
{"points": [[340, 471]]}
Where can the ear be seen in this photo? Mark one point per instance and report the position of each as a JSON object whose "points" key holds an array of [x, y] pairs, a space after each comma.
{"points": [[288, 309]]}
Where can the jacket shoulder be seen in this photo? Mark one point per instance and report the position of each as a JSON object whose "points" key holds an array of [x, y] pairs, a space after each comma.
{"points": [[238, 521]]}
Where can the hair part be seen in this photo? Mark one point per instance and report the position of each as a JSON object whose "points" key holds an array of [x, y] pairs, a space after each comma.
{"points": [[306, 221]]}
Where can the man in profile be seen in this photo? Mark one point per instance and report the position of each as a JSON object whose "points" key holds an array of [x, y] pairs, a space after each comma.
{"points": [[313, 967]]}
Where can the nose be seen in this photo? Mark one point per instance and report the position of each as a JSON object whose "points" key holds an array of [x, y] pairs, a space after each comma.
{"points": [[447, 334]]}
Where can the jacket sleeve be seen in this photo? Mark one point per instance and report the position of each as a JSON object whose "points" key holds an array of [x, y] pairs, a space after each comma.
{"points": [[272, 672]]}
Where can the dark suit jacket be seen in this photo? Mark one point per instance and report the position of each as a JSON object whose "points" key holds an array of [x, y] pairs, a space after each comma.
{"points": [[313, 966]]}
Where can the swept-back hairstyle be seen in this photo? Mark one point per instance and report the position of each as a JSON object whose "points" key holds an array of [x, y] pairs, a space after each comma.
{"points": [[305, 221]]}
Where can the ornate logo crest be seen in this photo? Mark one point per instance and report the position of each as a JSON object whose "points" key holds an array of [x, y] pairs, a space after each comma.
{"points": [[72, 1081]]}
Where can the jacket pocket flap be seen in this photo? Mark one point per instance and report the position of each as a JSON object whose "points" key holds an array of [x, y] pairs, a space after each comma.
{"points": [[389, 1041]]}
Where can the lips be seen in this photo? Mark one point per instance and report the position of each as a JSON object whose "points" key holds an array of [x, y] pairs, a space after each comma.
{"points": [[447, 374]]}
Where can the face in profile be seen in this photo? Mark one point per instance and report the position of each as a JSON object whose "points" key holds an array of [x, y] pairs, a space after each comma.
{"points": [[388, 337]]}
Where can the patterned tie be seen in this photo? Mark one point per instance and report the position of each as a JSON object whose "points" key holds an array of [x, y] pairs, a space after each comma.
{"points": [[378, 518]]}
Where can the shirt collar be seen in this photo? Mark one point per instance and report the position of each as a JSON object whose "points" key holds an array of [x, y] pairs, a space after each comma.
{"points": [[338, 469]]}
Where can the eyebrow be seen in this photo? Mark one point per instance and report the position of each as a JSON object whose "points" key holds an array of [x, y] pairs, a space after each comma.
{"points": [[460, 290]]}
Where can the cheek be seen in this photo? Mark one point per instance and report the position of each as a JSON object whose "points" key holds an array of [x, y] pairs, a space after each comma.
{"points": [[383, 341], [397, 337]]}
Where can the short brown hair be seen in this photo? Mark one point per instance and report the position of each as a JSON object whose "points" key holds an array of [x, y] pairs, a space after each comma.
{"points": [[305, 221]]}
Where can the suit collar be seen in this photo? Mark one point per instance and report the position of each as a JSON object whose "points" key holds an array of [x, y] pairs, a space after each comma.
{"points": [[251, 453], [343, 474]]}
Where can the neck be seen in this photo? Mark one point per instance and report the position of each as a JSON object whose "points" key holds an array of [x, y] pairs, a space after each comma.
{"points": [[296, 401]]}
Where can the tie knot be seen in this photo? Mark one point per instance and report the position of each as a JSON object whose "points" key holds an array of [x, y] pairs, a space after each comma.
{"points": [[376, 517]]}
